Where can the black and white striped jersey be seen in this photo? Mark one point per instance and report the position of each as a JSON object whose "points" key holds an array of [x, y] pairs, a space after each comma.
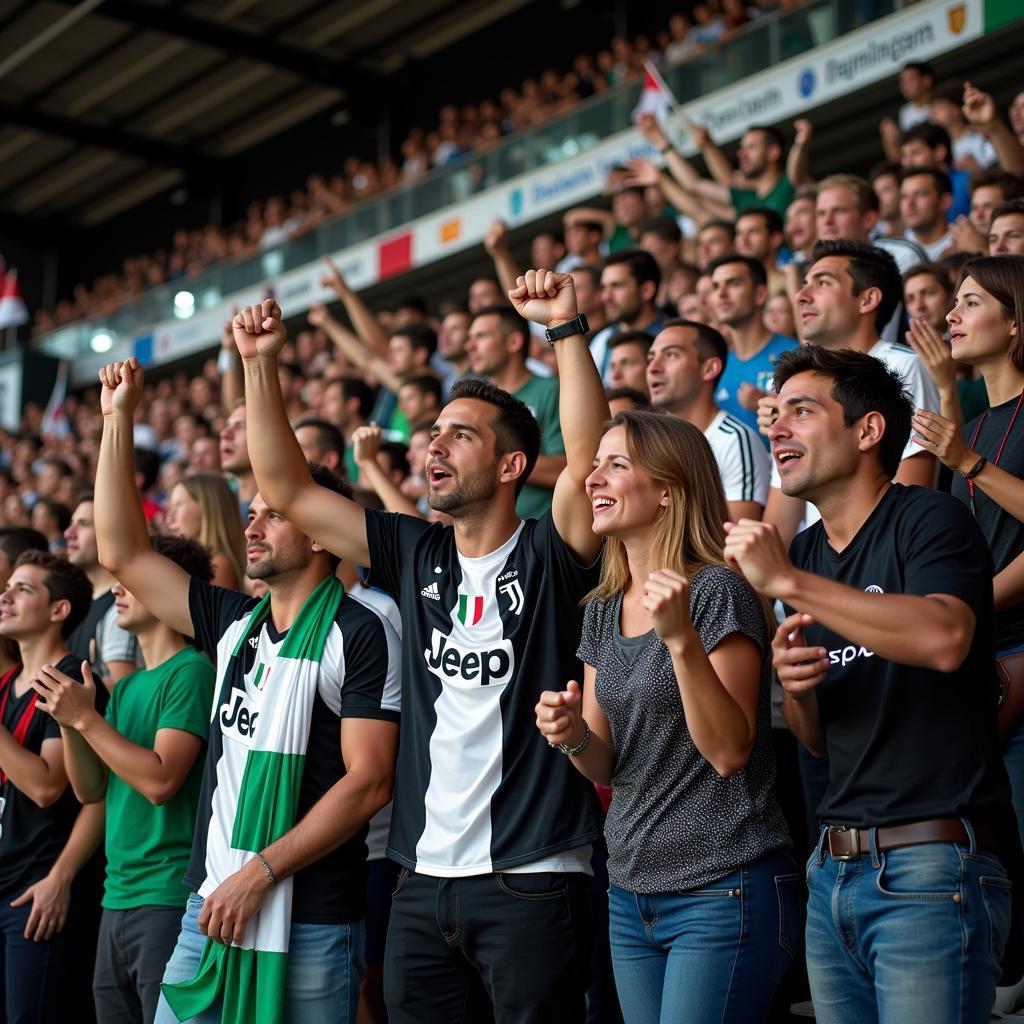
{"points": [[742, 459]]}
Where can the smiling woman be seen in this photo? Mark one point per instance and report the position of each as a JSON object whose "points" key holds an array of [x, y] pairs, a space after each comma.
{"points": [[674, 715]]}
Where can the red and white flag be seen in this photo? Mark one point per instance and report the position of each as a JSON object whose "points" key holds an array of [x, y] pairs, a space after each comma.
{"points": [[55, 423], [656, 98], [13, 311]]}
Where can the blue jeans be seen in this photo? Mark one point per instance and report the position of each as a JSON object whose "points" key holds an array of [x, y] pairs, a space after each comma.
{"points": [[325, 964], [1013, 758], [912, 936], [711, 954], [26, 967]]}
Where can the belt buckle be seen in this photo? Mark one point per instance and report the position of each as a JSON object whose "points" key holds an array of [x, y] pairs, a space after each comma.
{"points": [[854, 852]]}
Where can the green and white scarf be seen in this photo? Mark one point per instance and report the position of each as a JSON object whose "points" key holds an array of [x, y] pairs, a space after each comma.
{"points": [[251, 977]]}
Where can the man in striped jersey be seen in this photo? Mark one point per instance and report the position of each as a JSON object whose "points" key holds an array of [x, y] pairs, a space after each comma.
{"points": [[491, 828], [684, 366], [280, 901]]}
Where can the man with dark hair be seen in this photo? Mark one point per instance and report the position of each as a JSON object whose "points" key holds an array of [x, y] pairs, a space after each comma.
{"points": [[1006, 232], [451, 360], [760, 233], [928, 145], [141, 763], [627, 366], [318, 672], [13, 541], [629, 286], [498, 339], [684, 367], [715, 238], [885, 659], [45, 839], [234, 457], [925, 198], [586, 279], [582, 241], [488, 824], [626, 399], [112, 651], [51, 518], [663, 239], [629, 212], [322, 442], [347, 403], [484, 292], [739, 291], [851, 292], [419, 398], [147, 470]]}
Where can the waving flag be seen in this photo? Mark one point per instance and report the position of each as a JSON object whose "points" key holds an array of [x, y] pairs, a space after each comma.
{"points": [[656, 98], [13, 311]]}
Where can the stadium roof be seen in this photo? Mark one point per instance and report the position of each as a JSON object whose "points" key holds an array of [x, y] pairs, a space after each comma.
{"points": [[104, 103]]}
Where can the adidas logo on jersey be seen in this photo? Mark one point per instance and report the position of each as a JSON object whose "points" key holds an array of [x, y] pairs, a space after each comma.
{"points": [[432, 592]]}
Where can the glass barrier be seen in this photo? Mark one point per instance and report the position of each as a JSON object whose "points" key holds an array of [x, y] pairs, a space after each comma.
{"points": [[765, 43]]}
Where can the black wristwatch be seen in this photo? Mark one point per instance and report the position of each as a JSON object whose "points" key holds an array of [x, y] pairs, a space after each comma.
{"points": [[976, 468], [577, 325]]}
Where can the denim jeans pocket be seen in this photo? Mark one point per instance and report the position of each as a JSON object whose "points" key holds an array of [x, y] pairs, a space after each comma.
{"points": [[194, 902], [789, 893], [995, 894], [928, 872], [534, 885]]}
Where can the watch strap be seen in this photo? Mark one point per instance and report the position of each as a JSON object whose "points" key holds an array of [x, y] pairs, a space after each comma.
{"points": [[577, 325], [976, 468]]}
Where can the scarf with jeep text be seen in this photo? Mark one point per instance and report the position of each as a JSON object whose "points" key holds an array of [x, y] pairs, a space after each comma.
{"points": [[250, 977]]}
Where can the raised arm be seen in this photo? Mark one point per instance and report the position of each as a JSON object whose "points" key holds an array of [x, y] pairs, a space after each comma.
{"points": [[717, 163], [550, 299], [366, 325], [121, 534], [980, 111], [798, 163], [644, 173], [282, 476], [496, 246], [353, 348], [231, 388], [365, 446]]}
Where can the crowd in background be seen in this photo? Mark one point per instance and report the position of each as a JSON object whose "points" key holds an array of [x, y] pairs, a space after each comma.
{"points": [[460, 132]]}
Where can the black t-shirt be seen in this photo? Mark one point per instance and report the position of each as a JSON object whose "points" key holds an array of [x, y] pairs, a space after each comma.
{"points": [[359, 678], [1003, 532], [477, 788], [907, 743], [32, 837]]}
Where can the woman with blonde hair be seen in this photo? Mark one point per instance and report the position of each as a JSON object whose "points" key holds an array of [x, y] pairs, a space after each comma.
{"points": [[202, 507], [674, 715]]}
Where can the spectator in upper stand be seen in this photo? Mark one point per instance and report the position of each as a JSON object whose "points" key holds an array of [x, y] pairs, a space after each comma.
{"points": [[583, 239], [683, 368], [451, 361], [483, 292], [925, 198], [586, 280], [347, 403], [739, 294], [759, 236], [662, 238], [629, 285], [419, 398], [1006, 232], [322, 442], [715, 238], [627, 366], [682, 45], [916, 83], [708, 28], [498, 340], [971, 151]]}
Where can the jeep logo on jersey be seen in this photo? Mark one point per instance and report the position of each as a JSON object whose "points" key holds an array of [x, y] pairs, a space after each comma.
{"points": [[471, 609], [450, 661], [236, 716]]}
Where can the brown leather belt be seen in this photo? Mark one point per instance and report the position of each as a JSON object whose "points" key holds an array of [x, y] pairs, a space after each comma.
{"points": [[850, 843]]}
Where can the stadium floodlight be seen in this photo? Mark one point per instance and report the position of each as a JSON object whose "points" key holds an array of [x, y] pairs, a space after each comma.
{"points": [[101, 341], [184, 305]]}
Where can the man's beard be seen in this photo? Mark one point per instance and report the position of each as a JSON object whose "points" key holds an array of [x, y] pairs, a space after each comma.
{"points": [[478, 487]]}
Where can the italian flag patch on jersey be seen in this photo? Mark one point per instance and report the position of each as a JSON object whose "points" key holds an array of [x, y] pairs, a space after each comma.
{"points": [[471, 609]]}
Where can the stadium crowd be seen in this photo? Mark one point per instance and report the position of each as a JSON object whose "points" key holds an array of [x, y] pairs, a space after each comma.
{"points": [[688, 556], [460, 132]]}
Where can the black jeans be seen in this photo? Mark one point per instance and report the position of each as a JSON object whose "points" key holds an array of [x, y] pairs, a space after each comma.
{"points": [[131, 953], [520, 943]]}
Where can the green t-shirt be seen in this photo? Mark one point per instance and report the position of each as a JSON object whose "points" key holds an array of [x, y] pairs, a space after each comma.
{"points": [[540, 394], [778, 199], [148, 847], [621, 239]]}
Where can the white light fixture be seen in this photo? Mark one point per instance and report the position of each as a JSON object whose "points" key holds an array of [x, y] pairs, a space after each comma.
{"points": [[101, 341], [184, 305]]}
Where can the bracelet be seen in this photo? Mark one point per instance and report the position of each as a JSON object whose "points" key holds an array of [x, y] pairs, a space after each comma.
{"points": [[266, 867], [976, 468], [666, 149], [580, 747]]}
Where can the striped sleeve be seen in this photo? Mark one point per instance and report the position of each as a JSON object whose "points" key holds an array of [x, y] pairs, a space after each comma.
{"points": [[370, 673], [743, 461]]}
